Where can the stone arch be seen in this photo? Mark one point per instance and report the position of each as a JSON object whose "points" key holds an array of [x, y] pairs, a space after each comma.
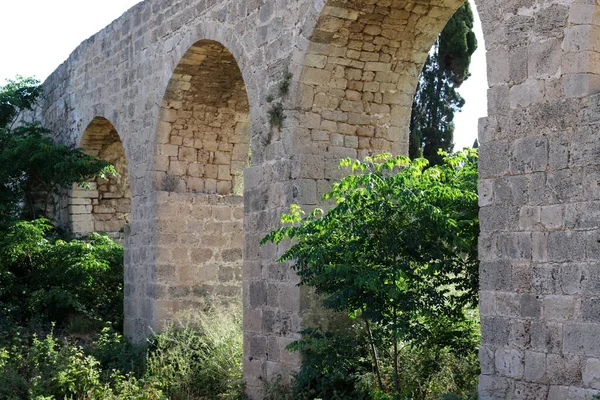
{"points": [[106, 205], [358, 72], [202, 148], [203, 134]]}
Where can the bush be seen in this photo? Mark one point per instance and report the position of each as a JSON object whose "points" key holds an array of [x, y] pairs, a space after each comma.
{"points": [[397, 252], [46, 278], [200, 357], [335, 365], [50, 368]]}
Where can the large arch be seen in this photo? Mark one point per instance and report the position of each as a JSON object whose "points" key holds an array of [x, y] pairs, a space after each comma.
{"points": [[354, 76], [202, 148], [106, 205], [358, 72]]}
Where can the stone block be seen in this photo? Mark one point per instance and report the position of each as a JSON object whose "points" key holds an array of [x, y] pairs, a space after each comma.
{"points": [[561, 308], [495, 330], [305, 191], [590, 310], [546, 336], [591, 373], [584, 13], [565, 369], [494, 159], [582, 339], [535, 367], [509, 363], [581, 85], [492, 387]]}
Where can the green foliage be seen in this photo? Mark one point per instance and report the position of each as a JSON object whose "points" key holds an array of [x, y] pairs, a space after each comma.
{"points": [[16, 96], [398, 251], [32, 166], [438, 373], [284, 86], [115, 353], [199, 358], [276, 115], [49, 368], [436, 98], [49, 279], [335, 365], [276, 389]]}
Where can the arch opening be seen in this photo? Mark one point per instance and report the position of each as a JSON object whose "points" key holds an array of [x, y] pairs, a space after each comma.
{"points": [[360, 71], [356, 83], [203, 135], [202, 148], [106, 205]]}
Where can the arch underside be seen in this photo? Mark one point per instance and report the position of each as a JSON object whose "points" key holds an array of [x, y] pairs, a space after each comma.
{"points": [[202, 149], [360, 72]]}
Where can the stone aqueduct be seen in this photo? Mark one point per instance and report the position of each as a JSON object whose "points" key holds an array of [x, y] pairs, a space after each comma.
{"points": [[179, 89]]}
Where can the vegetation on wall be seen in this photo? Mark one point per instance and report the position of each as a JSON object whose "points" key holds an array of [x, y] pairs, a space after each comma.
{"points": [[32, 166]]}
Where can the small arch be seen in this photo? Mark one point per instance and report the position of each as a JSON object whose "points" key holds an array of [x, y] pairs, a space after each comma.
{"points": [[106, 205]]}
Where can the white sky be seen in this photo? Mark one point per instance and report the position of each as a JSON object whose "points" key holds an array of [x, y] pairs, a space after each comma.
{"points": [[474, 91], [36, 36]]}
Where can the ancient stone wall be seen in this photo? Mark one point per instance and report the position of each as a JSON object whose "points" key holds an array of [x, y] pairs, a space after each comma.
{"points": [[186, 83], [538, 192], [199, 255]]}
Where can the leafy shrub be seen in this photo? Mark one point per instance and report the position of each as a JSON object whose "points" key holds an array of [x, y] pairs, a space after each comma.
{"points": [[32, 166], [49, 368], [116, 354], [334, 366], [399, 253], [200, 358], [46, 278]]}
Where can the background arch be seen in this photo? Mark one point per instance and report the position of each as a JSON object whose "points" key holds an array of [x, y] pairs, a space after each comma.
{"points": [[106, 205], [358, 73]]}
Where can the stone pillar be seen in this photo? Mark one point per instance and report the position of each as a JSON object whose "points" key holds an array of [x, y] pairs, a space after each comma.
{"points": [[539, 195]]}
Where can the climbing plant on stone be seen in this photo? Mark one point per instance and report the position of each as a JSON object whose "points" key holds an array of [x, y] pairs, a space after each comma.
{"points": [[437, 99]]}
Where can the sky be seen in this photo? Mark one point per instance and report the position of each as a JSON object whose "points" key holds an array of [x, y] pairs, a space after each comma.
{"points": [[36, 36], [474, 91]]}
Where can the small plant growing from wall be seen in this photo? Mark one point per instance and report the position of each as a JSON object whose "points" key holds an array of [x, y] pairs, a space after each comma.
{"points": [[284, 86], [276, 116], [275, 113]]}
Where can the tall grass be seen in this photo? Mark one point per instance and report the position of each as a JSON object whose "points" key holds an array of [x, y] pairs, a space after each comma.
{"points": [[199, 356]]}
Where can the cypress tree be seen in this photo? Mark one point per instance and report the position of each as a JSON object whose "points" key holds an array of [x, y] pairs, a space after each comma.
{"points": [[436, 98]]}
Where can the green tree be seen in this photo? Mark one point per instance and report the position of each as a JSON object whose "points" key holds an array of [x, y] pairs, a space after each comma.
{"points": [[436, 98], [41, 275], [399, 250], [32, 166]]}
